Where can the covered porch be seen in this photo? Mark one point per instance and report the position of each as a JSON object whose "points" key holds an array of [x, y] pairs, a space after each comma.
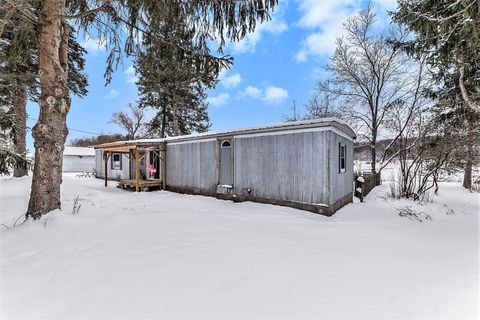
{"points": [[154, 175]]}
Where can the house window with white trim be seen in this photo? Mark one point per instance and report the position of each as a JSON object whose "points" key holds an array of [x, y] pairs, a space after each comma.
{"points": [[342, 155], [116, 161]]}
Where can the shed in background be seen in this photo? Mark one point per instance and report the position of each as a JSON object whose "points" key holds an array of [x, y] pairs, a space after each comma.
{"points": [[78, 159]]}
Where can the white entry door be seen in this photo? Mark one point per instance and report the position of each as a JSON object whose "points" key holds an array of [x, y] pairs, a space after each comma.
{"points": [[226, 162]]}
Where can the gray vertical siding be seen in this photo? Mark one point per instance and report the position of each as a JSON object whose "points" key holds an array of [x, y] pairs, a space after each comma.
{"points": [[112, 174], [74, 163], [192, 165], [99, 163], [298, 166], [341, 182], [284, 166]]}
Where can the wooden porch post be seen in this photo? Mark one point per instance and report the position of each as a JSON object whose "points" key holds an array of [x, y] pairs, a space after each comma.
{"points": [[105, 173], [130, 156], [137, 170]]}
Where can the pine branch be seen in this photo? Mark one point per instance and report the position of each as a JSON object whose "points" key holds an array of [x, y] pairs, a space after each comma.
{"points": [[105, 7]]}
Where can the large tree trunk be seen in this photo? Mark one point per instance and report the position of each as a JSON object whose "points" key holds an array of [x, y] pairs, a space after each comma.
{"points": [[175, 117], [19, 108], [467, 176], [51, 130], [470, 142], [164, 122]]}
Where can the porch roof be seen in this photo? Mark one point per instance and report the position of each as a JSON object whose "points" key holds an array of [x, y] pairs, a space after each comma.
{"points": [[129, 146]]}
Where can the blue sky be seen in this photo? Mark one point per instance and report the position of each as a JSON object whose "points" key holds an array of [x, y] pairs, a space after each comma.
{"points": [[278, 63]]}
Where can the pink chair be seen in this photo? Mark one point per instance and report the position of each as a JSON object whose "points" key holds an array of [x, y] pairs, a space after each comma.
{"points": [[151, 171]]}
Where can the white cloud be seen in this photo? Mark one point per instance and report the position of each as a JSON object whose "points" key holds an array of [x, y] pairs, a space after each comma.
{"points": [[270, 95], [275, 95], [219, 100], [130, 75], [251, 92], [325, 18], [318, 13], [319, 43], [229, 81], [130, 70], [301, 56], [112, 94], [93, 45]]}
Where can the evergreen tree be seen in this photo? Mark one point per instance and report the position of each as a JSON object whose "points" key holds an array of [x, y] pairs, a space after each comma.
{"points": [[173, 81], [448, 32], [17, 83], [226, 19], [19, 79], [8, 157], [460, 122]]}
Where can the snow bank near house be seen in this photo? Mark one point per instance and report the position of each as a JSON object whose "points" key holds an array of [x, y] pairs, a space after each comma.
{"points": [[165, 255]]}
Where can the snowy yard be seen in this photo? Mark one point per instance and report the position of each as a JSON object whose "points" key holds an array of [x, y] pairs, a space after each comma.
{"points": [[166, 255]]}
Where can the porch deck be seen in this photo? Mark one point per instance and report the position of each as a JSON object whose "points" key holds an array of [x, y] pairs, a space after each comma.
{"points": [[142, 184]]}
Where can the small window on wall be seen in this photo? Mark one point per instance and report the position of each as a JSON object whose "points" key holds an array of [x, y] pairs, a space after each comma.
{"points": [[226, 144], [342, 157], [116, 161]]}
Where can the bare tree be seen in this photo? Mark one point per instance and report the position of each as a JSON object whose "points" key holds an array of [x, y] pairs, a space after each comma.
{"points": [[368, 75], [321, 105], [404, 114], [92, 141], [423, 153], [295, 116], [133, 122], [421, 147]]}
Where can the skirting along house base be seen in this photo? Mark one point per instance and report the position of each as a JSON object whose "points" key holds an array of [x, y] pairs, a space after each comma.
{"points": [[304, 164]]}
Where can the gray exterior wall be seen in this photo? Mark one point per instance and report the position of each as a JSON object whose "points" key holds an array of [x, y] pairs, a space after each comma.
{"points": [[341, 182], [192, 165], [300, 167], [73, 163], [112, 173], [292, 167]]}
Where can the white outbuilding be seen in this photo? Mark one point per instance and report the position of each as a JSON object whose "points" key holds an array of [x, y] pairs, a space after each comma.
{"points": [[78, 159]]}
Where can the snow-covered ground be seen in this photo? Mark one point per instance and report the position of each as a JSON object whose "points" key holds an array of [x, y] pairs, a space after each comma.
{"points": [[165, 255]]}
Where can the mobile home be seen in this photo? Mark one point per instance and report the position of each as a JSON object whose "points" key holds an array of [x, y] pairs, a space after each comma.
{"points": [[303, 164]]}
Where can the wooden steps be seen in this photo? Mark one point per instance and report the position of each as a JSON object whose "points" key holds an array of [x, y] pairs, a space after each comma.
{"points": [[142, 184]]}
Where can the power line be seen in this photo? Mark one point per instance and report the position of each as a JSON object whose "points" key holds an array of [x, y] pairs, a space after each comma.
{"points": [[72, 129]]}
